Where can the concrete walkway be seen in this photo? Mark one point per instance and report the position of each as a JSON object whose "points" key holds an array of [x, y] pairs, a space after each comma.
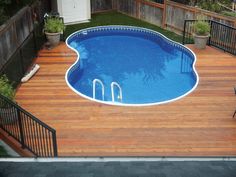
{"points": [[119, 169]]}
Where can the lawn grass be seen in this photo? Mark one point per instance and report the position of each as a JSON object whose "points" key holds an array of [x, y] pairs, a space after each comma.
{"points": [[115, 18]]}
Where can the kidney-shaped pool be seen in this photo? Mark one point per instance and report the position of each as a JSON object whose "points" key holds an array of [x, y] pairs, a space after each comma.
{"points": [[130, 66]]}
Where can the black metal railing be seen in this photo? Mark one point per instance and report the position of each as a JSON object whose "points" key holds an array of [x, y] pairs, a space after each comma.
{"points": [[30, 132], [221, 36]]}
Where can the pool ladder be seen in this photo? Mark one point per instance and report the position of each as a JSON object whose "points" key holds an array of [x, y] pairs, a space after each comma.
{"points": [[94, 88], [113, 84], [112, 91]]}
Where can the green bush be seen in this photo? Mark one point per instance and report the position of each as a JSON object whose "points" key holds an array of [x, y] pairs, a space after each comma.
{"points": [[6, 88], [54, 25], [211, 6], [201, 27], [228, 13]]}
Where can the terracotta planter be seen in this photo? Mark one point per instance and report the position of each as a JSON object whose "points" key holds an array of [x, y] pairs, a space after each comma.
{"points": [[200, 41], [53, 38]]}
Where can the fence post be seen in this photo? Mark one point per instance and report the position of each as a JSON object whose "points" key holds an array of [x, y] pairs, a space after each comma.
{"points": [[164, 14], [21, 129], [35, 42], [22, 62], [183, 42], [54, 141]]}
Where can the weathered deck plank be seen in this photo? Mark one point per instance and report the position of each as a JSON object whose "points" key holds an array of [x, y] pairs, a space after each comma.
{"points": [[199, 124]]}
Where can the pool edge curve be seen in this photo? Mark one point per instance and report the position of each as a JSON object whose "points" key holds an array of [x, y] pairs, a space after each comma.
{"points": [[125, 104]]}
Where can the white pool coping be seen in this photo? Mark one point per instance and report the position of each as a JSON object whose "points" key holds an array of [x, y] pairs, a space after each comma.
{"points": [[124, 104]]}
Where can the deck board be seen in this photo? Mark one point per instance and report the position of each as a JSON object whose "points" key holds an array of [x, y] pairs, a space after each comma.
{"points": [[199, 124]]}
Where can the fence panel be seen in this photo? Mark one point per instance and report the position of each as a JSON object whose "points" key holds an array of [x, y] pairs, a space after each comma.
{"points": [[175, 17], [151, 12], [22, 27], [100, 5], [176, 14], [30, 132], [8, 44], [128, 7]]}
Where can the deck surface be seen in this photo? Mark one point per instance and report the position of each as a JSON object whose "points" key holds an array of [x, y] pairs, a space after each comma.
{"points": [[200, 124]]}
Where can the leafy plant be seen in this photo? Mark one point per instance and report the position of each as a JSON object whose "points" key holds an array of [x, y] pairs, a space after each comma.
{"points": [[6, 88], [3, 15], [54, 25], [201, 27], [228, 13]]}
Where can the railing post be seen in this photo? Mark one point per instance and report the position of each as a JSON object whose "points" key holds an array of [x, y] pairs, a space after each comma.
{"points": [[54, 141], [21, 129], [183, 42], [209, 41]]}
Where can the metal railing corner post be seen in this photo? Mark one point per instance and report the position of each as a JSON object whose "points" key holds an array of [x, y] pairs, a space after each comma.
{"points": [[183, 42], [54, 140], [209, 40], [21, 129]]}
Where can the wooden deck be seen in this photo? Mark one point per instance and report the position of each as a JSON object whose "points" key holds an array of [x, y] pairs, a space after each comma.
{"points": [[200, 124]]}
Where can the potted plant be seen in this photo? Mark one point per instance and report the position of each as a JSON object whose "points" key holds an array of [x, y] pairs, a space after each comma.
{"points": [[8, 114], [201, 33], [53, 27]]}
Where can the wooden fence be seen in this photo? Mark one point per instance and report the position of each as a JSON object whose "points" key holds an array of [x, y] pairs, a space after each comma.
{"points": [[176, 14], [20, 39], [18, 29], [14, 33], [101, 5], [169, 15]]}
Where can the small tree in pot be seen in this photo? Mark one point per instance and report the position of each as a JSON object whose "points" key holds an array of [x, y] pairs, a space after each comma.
{"points": [[53, 27], [201, 33]]}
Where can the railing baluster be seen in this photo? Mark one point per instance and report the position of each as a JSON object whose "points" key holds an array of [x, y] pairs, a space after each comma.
{"points": [[26, 131], [46, 140], [50, 143], [40, 140], [45, 147], [33, 148], [36, 138]]}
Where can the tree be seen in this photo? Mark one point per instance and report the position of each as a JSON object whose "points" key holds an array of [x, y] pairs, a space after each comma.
{"points": [[3, 14]]}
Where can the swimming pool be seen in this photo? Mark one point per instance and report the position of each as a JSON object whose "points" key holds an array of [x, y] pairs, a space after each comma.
{"points": [[130, 66]]}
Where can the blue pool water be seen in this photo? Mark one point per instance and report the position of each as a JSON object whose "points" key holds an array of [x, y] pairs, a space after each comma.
{"points": [[149, 68]]}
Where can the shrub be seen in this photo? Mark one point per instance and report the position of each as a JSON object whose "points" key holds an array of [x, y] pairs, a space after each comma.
{"points": [[54, 25], [228, 13], [201, 27], [6, 88]]}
